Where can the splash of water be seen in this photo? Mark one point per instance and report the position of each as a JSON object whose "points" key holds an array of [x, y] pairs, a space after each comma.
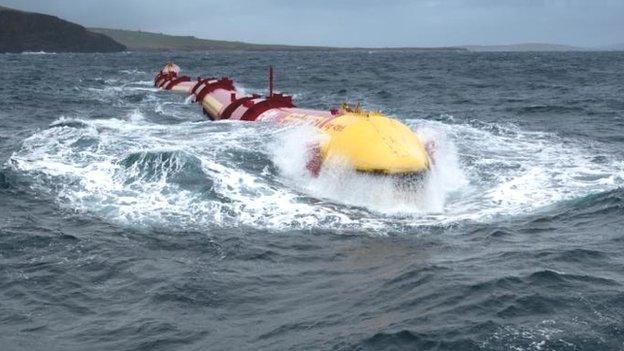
{"points": [[137, 172], [341, 184]]}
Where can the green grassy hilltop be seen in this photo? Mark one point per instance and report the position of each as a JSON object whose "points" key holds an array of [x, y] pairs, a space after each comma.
{"points": [[146, 41]]}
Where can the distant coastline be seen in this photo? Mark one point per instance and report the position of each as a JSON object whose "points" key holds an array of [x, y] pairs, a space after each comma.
{"points": [[523, 47], [149, 41]]}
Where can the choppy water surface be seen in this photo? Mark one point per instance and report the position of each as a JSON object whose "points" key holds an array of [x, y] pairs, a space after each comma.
{"points": [[129, 222]]}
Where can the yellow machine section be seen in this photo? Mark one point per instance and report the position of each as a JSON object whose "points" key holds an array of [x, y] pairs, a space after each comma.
{"points": [[183, 87], [212, 105], [372, 142]]}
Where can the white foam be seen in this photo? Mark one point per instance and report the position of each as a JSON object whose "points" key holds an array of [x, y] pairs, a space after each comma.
{"points": [[136, 116], [341, 184], [132, 72], [38, 53], [481, 173], [93, 180], [510, 172]]}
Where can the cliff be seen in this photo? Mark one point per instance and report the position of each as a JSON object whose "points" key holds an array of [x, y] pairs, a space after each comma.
{"points": [[26, 31]]}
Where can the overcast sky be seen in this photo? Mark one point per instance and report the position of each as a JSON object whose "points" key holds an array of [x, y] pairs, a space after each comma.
{"points": [[370, 23]]}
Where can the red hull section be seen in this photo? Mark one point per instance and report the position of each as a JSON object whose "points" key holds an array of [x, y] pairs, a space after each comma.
{"points": [[221, 100]]}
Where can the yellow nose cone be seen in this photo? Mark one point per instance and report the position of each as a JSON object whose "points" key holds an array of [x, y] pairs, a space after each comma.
{"points": [[372, 142]]}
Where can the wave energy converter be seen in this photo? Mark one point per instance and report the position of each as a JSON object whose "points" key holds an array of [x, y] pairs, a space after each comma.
{"points": [[369, 142]]}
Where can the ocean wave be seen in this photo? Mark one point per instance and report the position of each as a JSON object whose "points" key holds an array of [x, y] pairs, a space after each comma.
{"points": [[258, 178], [38, 53]]}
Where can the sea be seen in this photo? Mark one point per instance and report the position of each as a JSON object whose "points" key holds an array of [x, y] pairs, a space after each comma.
{"points": [[128, 221]]}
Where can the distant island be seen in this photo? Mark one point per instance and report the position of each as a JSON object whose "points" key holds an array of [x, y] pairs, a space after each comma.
{"points": [[523, 47], [614, 47], [27, 31]]}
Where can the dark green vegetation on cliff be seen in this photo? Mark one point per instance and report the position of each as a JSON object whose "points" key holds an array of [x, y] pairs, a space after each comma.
{"points": [[26, 31], [146, 41]]}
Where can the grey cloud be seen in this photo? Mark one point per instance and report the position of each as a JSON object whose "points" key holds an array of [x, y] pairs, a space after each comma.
{"points": [[356, 22]]}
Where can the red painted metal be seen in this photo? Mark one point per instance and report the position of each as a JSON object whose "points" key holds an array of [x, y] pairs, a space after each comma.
{"points": [[227, 112], [226, 102], [315, 160], [223, 83], [165, 79], [159, 78], [200, 83], [262, 105], [176, 81]]}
